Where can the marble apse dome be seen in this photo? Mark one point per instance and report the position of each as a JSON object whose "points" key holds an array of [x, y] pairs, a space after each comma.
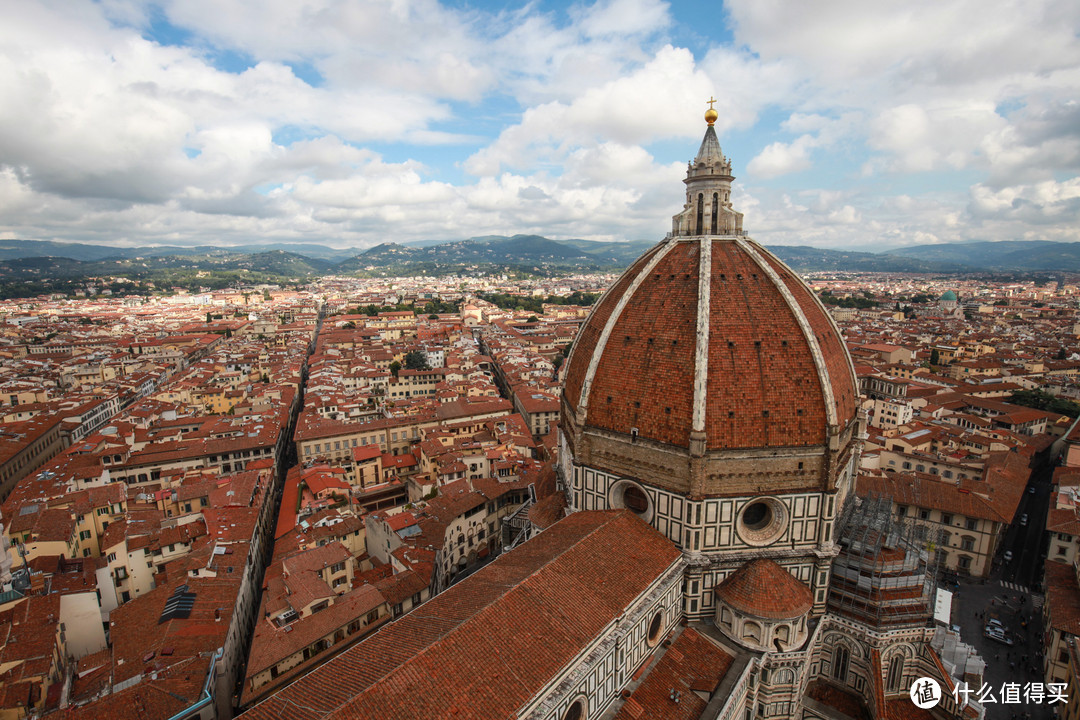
{"points": [[711, 393]]}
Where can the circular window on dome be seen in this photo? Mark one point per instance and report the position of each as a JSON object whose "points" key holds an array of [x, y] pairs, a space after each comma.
{"points": [[762, 521], [631, 496], [655, 626], [757, 516]]}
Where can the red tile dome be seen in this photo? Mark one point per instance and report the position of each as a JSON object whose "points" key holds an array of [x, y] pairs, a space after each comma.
{"points": [[763, 589], [776, 372], [709, 344]]}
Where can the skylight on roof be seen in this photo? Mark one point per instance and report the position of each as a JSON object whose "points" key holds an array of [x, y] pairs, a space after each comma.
{"points": [[178, 606]]}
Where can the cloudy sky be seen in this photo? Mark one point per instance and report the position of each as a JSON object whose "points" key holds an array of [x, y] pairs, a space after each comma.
{"points": [[851, 124]]}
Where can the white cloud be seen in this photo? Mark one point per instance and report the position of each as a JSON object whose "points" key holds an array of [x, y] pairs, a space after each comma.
{"points": [[1044, 202], [921, 138], [781, 158], [622, 17], [612, 111], [562, 119]]}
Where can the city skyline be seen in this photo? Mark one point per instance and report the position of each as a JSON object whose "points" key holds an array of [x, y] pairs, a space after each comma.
{"points": [[850, 126]]}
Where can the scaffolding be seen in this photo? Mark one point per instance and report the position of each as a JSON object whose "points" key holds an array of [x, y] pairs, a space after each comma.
{"points": [[885, 573]]}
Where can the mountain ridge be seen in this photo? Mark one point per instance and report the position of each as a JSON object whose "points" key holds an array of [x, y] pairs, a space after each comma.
{"points": [[523, 252]]}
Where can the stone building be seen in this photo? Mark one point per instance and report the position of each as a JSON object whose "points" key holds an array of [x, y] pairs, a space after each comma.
{"points": [[709, 436], [711, 394]]}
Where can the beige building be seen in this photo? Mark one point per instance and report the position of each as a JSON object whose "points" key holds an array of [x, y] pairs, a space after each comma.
{"points": [[1061, 620], [1063, 525], [890, 414], [970, 517]]}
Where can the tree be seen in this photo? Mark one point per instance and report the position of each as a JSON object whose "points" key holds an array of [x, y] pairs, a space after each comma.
{"points": [[416, 360], [1045, 401], [532, 319], [1062, 354], [394, 367], [935, 357], [432, 316]]}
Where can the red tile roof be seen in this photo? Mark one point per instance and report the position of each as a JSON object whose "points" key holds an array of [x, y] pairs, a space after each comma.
{"points": [[692, 663], [848, 703], [465, 655], [764, 589], [1062, 597]]}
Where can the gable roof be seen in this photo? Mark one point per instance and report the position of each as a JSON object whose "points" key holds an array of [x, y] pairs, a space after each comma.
{"points": [[466, 655]]}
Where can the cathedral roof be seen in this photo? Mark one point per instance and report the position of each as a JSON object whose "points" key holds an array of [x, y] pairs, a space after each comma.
{"points": [[764, 589], [732, 345], [487, 645]]}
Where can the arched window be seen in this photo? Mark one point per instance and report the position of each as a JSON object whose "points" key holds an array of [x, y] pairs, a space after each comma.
{"points": [[715, 210], [840, 663], [700, 211], [896, 674], [576, 711], [751, 631]]}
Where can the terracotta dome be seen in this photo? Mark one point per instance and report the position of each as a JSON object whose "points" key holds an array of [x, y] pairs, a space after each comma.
{"points": [[763, 589], [775, 373], [708, 344]]}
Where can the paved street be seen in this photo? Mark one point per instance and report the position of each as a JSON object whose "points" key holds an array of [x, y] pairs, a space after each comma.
{"points": [[975, 604], [1008, 597], [1028, 541]]}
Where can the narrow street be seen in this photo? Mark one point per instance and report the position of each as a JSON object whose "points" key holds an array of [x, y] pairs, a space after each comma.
{"points": [[1028, 542], [285, 459], [1011, 596]]}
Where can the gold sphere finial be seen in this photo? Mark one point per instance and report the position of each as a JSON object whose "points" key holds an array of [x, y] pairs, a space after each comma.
{"points": [[710, 114]]}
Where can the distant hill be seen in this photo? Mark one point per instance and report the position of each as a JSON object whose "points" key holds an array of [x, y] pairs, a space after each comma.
{"points": [[618, 253], [279, 262], [275, 263], [33, 259], [13, 249], [518, 251], [1033, 255], [804, 259]]}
